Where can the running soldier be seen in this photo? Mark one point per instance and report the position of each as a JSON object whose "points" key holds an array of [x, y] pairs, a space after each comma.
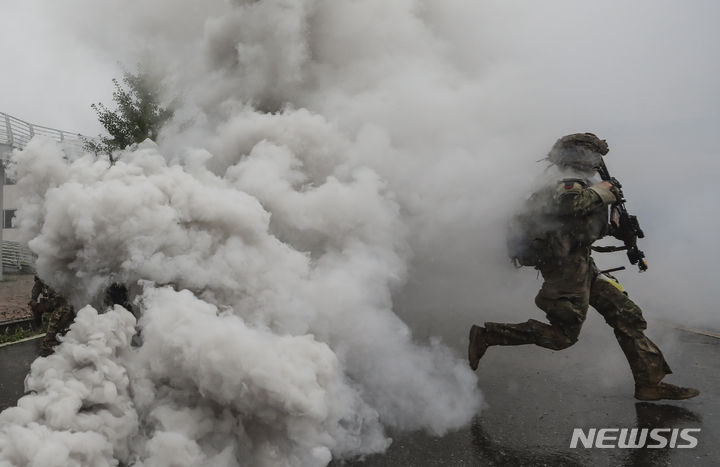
{"points": [[564, 219]]}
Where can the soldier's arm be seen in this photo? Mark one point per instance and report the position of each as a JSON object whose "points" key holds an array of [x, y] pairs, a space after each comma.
{"points": [[576, 200], [36, 290]]}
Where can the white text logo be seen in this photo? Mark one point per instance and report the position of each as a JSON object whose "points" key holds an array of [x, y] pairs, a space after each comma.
{"points": [[634, 438]]}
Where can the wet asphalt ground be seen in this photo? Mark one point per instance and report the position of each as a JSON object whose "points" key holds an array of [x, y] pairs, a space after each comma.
{"points": [[534, 398]]}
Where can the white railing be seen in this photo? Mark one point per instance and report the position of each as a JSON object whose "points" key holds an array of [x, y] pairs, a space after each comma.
{"points": [[18, 133], [17, 257]]}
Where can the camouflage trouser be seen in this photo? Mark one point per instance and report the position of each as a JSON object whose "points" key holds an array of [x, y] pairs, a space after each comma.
{"points": [[60, 320], [569, 288]]}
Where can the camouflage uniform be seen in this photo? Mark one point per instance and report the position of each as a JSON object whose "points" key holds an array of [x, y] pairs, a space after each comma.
{"points": [[559, 225], [37, 303], [572, 282], [45, 300]]}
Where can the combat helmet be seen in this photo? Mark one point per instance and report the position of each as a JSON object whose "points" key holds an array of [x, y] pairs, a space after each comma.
{"points": [[582, 151]]}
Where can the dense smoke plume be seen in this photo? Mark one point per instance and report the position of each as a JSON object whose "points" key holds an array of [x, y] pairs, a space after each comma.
{"points": [[313, 233], [280, 321]]}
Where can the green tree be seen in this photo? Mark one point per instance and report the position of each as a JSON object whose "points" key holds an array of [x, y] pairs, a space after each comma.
{"points": [[138, 115]]}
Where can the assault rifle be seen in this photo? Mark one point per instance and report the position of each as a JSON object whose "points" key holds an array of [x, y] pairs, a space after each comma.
{"points": [[623, 226]]}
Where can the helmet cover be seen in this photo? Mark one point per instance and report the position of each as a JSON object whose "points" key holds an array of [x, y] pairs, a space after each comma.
{"points": [[581, 151]]}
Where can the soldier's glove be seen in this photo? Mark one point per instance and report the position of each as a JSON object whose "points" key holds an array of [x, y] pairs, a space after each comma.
{"points": [[615, 190]]}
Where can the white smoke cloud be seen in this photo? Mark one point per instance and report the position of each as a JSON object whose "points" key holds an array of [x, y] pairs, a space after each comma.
{"points": [[334, 190], [286, 263], [80, 410]]}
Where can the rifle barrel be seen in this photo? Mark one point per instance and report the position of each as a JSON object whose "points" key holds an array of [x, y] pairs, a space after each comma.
{"points": [[607, 271]]}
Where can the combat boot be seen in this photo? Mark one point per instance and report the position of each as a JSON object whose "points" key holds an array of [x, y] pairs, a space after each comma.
{"points": [[477, 346], [664, 391], [47, 347]]}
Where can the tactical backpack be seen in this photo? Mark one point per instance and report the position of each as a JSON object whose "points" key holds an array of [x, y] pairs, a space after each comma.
{"points": [[528, 230], [523, 242]]}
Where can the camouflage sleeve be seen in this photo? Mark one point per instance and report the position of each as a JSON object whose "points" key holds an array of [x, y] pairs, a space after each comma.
{"points": [[606, 194], [576, 200]]}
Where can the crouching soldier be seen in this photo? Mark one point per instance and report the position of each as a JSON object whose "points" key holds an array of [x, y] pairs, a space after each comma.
{"points": [[45, 300]]}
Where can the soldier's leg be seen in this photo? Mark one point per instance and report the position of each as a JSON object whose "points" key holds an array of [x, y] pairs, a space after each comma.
{"points": [[565, 315], [50, 339], [60, 319], [647, 362], [67, 316], [563, 297], [37, 312]]}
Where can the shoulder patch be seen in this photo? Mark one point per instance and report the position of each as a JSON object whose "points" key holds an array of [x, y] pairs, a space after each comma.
{"points": [[569, 186]]}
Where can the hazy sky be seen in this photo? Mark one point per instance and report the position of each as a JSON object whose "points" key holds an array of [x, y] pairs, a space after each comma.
{"points": [[357, 205], [650, 62], [49, 76]]}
